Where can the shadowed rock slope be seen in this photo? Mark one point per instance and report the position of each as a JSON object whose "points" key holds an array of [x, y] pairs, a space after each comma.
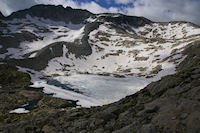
{"points": [[1, 15], [169, 105], [57, 13]]}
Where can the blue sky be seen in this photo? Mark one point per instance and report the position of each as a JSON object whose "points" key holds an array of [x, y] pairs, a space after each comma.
{"points": [[155, 10], [110, 3]]}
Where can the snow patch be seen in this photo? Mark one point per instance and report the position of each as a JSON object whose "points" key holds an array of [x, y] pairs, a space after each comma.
{"points": [[19, 111], [167, 31]]}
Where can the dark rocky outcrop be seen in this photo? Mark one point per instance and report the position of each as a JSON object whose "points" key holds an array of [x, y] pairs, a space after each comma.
{"points": [[9, 76], [123, 19], [169, 105], [15, 93], [14, 40], [1, 16], [56, 13]]}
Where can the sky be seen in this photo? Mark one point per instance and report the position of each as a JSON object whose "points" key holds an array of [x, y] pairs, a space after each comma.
{"points": [[155, 10]]}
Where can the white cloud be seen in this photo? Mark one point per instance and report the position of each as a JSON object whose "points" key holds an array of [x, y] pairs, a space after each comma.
{"points": [[114, 10], [93, 7], [90, 6], [9, 6], [166, 10], [65, 3], [123, 1], [96, 8]]}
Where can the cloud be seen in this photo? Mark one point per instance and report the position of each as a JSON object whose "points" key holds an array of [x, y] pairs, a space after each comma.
{"points": [[65, 3], [166, 10], [123, 1], [93, 7], [9, 6], [96, 8]]}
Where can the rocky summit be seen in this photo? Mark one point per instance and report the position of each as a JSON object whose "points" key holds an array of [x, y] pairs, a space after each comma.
{"points": [[43, 47]]}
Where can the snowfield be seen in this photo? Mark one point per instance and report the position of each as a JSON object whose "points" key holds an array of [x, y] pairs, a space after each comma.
{"points": [[49, 31], [121, 63], [115, 53]]}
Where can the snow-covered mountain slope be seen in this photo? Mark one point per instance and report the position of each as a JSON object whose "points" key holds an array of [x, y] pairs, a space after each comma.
{"points": [[119, 53], [60, 42], [105, 44]]}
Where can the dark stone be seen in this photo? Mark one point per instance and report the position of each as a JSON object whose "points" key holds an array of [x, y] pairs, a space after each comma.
{"points": [[148, 129], [1, 16], [56, 13]]}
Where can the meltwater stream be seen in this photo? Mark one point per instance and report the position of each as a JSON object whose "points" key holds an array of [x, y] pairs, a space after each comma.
{"points": [[91, 90]]}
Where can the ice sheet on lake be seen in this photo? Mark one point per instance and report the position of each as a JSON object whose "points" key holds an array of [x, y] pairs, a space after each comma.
{"points": [[96, 90]]}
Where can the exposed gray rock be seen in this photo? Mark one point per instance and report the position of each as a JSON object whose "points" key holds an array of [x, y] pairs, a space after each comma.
{"points": [[148, 129]]}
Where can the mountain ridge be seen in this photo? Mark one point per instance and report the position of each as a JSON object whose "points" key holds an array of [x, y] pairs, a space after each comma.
{"points": [[39, 7], [101, 34], [52, 12]]}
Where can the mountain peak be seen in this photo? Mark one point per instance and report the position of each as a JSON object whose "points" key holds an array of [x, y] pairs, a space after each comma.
{"points": [[56, 13]]}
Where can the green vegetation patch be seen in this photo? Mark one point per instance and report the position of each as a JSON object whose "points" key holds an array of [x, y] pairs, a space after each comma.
{"points": [[10, 76]]}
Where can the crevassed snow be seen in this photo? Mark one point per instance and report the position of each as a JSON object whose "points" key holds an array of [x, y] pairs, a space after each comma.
{"points": [[19, 111], [96, 90]]}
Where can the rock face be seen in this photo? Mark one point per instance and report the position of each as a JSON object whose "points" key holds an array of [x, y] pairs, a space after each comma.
{"points": [[166, 106], [1, 16], [57, 13], [120, 19]]}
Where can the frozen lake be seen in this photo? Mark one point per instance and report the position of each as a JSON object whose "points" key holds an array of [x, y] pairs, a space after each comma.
{"points": [[91, 90]]}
